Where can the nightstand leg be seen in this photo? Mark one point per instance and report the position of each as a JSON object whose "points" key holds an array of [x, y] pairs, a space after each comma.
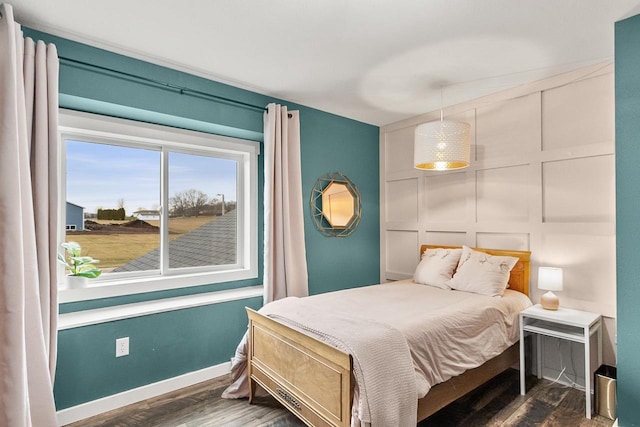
{"points": [[539, 355], [600, 344], [587, 371], [523, 366]]}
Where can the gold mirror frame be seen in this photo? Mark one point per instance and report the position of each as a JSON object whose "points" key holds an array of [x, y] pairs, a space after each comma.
{"points": [[335, 205]]}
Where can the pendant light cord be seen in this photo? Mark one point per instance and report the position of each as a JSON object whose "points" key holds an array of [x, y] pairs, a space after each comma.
{"points": [[441, 103]]}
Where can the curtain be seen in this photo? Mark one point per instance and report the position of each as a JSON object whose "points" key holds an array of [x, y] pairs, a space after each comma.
{"points": [[28, 226], [285, 261]]}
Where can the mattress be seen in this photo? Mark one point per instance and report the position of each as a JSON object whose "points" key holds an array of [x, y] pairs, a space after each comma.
{"points": [[448, 331]]}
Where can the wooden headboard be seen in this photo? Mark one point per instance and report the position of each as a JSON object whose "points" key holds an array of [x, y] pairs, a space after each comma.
{"points": [[519, 279]]}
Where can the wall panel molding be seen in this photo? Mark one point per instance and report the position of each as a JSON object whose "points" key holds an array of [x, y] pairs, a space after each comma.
{"points": [[542, 180]]}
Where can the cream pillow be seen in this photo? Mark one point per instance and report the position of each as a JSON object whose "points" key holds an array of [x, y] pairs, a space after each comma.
{"points": [[436, 267], [482, 273]]}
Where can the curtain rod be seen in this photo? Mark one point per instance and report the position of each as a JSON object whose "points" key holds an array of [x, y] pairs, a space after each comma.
{"points": [[181, 89]]}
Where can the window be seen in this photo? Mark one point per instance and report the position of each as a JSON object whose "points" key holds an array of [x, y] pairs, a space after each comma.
{"points": [[160, 208]]}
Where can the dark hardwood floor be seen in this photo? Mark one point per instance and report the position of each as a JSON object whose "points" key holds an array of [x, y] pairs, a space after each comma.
{"points": [[496, 403]]}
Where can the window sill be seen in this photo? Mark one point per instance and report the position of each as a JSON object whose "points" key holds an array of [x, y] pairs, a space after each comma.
{"points": [[137, 285], [109, 314]]}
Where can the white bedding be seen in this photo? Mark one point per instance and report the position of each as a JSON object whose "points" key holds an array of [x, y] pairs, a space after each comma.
{"points": [[447, 331]]}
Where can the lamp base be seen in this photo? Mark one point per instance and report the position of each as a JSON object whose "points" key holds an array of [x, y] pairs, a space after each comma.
{"points": [[549, 301]]}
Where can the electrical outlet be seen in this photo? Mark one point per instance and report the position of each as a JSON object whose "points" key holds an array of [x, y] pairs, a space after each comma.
{"points": [[122, 347]]}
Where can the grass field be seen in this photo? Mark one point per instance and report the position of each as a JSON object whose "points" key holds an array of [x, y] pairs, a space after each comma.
{"points": [[114, 250], [177, 226]]}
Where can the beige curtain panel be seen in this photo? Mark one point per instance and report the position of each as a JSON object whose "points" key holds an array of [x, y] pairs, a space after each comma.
{"points": [[28, 224], [285, 259]]}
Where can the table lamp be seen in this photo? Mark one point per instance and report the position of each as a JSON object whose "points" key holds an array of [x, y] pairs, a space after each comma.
{"points": [[549, 279]]}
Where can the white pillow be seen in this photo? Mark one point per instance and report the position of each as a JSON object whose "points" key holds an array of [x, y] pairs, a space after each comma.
{"points": [[436, 267], [482, 273]]}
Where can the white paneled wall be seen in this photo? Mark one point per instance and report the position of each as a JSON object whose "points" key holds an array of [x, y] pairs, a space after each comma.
{"points": [[541, 179]]}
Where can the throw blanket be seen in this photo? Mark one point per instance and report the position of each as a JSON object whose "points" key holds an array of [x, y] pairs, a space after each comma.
{"points": [[385, 391], [382, 365]]}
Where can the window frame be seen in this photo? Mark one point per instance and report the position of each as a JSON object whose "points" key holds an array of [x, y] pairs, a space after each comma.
{"points": [[115, 131]]}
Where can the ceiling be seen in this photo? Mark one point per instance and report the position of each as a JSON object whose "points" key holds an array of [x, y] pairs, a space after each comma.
{"points": [[377, 61]]}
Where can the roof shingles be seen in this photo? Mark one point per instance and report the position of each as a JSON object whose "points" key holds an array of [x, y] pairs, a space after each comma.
{"points": [[213, 243]]}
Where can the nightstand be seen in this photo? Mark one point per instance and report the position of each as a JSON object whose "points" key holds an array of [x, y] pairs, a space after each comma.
{"points": [[566, 324]]}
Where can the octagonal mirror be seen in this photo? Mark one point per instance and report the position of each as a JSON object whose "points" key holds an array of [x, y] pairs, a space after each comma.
{"points": [[335, 205], [338, 204]]}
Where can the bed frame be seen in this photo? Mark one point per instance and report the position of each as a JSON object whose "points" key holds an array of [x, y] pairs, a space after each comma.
{"points": [[314, 380]]}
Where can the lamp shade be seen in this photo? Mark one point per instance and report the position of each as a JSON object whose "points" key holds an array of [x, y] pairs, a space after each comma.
{"points": [[442, 145], [550, 278]]}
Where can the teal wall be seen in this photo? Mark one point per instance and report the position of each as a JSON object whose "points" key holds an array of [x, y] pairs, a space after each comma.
{"points": [[341, 262], [627, 73], [169, 344], [162, 346]]}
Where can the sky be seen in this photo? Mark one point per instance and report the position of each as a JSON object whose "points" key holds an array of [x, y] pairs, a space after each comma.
{"points": [[99, 175]]}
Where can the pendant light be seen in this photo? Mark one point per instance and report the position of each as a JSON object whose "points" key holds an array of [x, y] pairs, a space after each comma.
{"points": [[442, 145]]}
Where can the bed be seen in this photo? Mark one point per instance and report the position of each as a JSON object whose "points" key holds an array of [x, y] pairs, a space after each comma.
{"points": [[315, 380]]}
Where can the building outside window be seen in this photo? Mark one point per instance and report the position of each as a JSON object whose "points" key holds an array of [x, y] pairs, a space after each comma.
{"points": [[74, 217]]}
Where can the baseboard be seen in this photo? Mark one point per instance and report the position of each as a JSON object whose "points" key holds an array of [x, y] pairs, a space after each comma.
{"points": [[109, 403]]}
